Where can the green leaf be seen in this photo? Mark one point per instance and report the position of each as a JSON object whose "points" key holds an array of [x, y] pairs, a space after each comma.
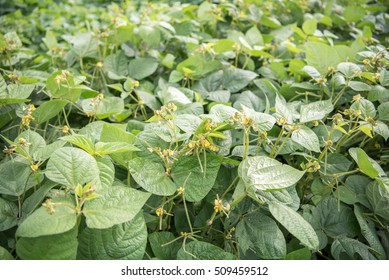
{"points": [[19, 91], [369, 233], [367, 165], [8, 214], [315, 111], [80, 141], [295, 224], [261, 234], [346, 249], [300, 254], [53, 247], [5, 255], [309, 26], [116, 65], [142, 67], [250, 100], [306, 138], [107, 171], [265, 173], [198, 250], [223, 45], [109, 106], [336, 219], [328, 56], [197, 178], [354, 13], [378, 197], [41, 222], [158, 241], [126, 241], [36, 143], [102, 148], [254, 37], [151, 176], [366, 107], [48, 110], [15, 178], [261, 121], [359, 86], [348, 69], [35, 200], [283, 109], [235, 79], [384, 77], [383, 111], [115, 205], [71, 166], [85, 45]]}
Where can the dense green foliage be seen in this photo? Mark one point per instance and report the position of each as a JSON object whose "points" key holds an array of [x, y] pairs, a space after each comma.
{"points": [[230, 130]]}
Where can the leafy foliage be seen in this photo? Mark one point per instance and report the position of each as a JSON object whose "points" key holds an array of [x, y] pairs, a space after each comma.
{"points": [[194, 131]]}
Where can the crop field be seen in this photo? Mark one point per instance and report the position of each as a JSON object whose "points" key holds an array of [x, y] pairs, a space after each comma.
{"points": [[212, 130]]}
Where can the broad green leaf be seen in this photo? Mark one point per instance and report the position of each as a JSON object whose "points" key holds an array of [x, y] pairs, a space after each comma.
{"points": [[196, 177], [265, 173], [250, 100], [48, 110], [367, 165], [336, 219], [223, 45], [151, 35], [295, 224], [383, 111], [85, 44], [306, 138], [254, 37], [45, 152], [172, 94], [109, 106], [309, 26], [378, 197], [116, 65], [199, 250], [71, 166], [261, 121], [151, 176], [384, 77], [314, 111], [35, 143], [366, 107], [41, 222], [382, 129], [300, 254], [221, 113], [369, 233], [162, 250], [354, 13], [35, 200], [19, 91], [261, 234], [80, 141], [142, 67], [115, 205], [16, 178], [107, 171], [283, 109], [102, 148], [328, 56], [126, 241], [8, 214], [235, 79], [5, 255], [349, 69], [312, 71], [61, 246], [359, 86], [346, 249]]}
